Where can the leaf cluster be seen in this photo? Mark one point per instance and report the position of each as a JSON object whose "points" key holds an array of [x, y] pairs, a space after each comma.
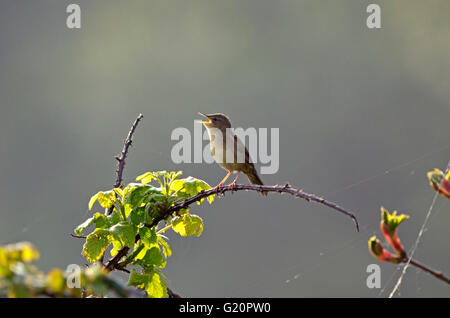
{"points": [[20, 279], [127, 219]]}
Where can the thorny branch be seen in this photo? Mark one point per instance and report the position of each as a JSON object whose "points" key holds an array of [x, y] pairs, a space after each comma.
{"points": [[123, 155], [113, 262], [121, 161], [266, 188]]}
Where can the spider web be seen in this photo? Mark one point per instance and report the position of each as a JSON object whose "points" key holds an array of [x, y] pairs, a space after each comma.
{"points": [[416, 244], [365, 230]]}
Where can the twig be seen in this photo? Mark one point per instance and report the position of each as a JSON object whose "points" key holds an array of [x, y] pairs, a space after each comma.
{"points": [[121, 161], [112, 264], [123, 155], [123, 291], [171, 294], [437, 274]]}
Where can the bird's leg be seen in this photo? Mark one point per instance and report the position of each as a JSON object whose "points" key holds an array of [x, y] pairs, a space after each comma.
{"points": [[216, 188], [232, 185]]}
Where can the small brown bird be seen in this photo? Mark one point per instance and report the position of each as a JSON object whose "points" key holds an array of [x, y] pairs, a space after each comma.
{"points": [[220, 131]]}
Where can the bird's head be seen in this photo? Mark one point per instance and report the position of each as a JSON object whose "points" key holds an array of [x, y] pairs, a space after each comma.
{"points": [[217, 120]]}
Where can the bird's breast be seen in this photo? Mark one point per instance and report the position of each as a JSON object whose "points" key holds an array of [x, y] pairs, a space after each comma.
{"points": [[221, 146]]}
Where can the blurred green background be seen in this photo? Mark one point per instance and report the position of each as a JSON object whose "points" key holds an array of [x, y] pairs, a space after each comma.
{"points": [[363, 115]]}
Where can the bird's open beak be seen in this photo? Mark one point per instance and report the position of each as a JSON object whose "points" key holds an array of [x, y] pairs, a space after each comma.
{"points": [[206, 123]]}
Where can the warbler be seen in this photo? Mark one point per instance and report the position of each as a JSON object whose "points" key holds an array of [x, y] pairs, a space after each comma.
{"points": [[228, 150]]}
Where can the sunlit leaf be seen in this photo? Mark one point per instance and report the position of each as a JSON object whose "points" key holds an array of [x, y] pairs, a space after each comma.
{"points": [[148, 236], [106, 199], [117, 245], [55, 281], [124, 232], [187, 225], [79, 229], [20, 252], [92, 200], [189, 187], [165, 246], [113, 218], [119, 191], [143, 194], [150, 281], [136, 279], [152, 256], [138, 216], [146, 177], [100, 220], [29, 253], [155, 286], [95, 245]]}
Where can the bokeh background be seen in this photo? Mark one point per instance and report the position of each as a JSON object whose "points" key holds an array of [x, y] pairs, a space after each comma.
{"points": [[363, 115]]}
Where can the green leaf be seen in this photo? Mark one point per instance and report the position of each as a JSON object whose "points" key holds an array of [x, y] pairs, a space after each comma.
{"points": [[130, 187], [189, 187], [165, 246], [143, 194], [95, 245], [136, 279], [148, 236], [55, 281], [175, 175], [106, 198], [28, 252], [153, 256], [119, 191], [138, 216], [113, 218], [79, 229], [124, 232], [188, 225], [146, 177], [92, 200], [100, 220], [127, 209], [155, 286], [117, 245], [393, 220], [151, 281]]}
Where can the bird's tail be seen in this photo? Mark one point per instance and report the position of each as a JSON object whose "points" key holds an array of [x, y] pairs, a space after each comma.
{"points": [[255, 179]]}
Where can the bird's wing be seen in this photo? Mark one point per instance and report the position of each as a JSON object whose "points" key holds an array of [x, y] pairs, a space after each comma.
{"points": [[238, 147]]}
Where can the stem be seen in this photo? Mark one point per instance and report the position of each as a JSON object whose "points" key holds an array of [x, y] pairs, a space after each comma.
{"points": [[435, 273], [130, 257], [164, 229]]}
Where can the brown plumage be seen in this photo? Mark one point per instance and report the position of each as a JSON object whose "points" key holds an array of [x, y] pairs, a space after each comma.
{"points": [[217, 125]]}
